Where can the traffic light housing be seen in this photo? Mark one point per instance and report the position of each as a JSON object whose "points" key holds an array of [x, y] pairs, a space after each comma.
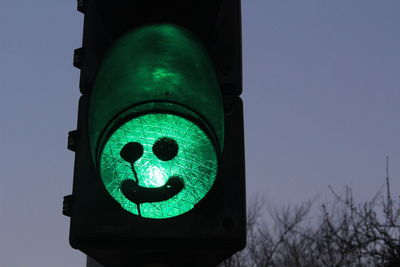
{"points": [[159, 164]]}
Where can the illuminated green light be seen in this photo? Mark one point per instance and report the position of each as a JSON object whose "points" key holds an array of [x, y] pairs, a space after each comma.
{"points": [[163, 145], [156, 176]]}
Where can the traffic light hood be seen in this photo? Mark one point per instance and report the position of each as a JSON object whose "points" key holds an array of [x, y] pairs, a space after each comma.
{"points": [[155, 64]]}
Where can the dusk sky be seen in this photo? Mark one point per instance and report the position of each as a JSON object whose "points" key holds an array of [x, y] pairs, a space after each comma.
{"points": [[321, 99]]}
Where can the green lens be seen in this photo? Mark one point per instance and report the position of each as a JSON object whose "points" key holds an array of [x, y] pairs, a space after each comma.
{"points": [[152, 150]]}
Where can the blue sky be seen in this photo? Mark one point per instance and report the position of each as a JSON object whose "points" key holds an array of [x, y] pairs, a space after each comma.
{"points": [[321, 97]]}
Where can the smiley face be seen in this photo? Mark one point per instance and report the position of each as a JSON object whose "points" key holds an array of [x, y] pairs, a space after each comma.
{"points": [[158, 165]]}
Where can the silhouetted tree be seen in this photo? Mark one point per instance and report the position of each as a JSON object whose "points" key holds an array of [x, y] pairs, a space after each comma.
{"points": [[345, 233]]}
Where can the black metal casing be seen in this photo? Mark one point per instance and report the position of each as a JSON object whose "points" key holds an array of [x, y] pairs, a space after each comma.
{"points": [[216, 227]]}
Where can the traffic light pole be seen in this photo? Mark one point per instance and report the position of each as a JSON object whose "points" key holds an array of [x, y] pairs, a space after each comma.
{"points": [[92, 263]]}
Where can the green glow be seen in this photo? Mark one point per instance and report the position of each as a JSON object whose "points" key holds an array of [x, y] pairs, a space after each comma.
{"points": [[163, 63], [195, 163]]}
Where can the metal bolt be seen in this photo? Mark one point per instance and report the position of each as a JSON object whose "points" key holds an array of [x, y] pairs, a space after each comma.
{"points": [[72, 140], [67, 205], [81, 6], [78, 57]]}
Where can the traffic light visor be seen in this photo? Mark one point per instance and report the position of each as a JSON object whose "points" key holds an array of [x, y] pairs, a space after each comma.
{"points": [[155, 63]]}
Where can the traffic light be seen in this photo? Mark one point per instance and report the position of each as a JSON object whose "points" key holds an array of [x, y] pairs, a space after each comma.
{"points": [[159, 154]]}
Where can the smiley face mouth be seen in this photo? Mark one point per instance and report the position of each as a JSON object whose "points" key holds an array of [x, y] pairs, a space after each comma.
{"points": [[139, 194], [165, 149]]}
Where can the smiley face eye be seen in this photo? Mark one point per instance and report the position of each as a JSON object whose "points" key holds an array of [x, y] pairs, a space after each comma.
{"points": [[165, 148], [131, 152]]}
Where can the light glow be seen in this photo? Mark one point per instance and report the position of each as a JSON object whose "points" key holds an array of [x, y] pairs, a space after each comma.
{"points": [[192, 158]]}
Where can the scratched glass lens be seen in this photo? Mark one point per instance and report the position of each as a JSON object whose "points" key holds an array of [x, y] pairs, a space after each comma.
{"points": [[158, 149]]}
